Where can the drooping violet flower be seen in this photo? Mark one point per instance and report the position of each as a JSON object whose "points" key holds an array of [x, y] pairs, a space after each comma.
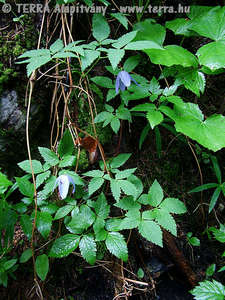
{"points": [[63, 183], [123, 80]]}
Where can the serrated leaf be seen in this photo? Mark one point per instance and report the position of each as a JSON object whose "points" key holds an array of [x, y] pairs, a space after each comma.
{"points": [[155, 194], [94, 173], [125, 173], [67, 161], [36, 62], [128, 203], [180, 26], [173, 205], [101, 207], [64, 245], [42, 266], [115, 124], [115, 56], [209, 290], [151, 231], [88, 58], [66, 145], [44, 223], [4, 183], [63, 211], [154, 117], [34, 53], [102, 116], [127, 187], [125, 39], [100, 27], [81, 220], [95, 184], [132, 219], [56, 46], [115, 189], [116, 244], [111, 94], [25, 187], [88, 249], [119, 160], [113, 224], [36, 165], [164, 219], [99, 229], [42, 177], [49, 156]]}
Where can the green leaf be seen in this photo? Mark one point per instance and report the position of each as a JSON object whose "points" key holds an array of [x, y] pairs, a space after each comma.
{"points": [[9, 264], [88, 249], [211, 55], [211, 24], [214, 199], [138, 185], [119, 160], [140, 273], [49, 156], [121, 18], [4, 183], [210, 270], [209, 290], [44, 223], [180, 26], [99, 230], [66, 145], [35, 53], [113, 224], [172, 55], [116, 245], [189, 120], [37, 62], [204, 187], [36, 165], [164, 219], [125, 173], [144, 107], [103, 81], [149, 31], [81, 220], [101, 207], [127, 203], [63, 211], [26, 255], [154, 117], [143, 135], [155, 194], [25, 187], [127, 187], [132, 219], [64, 245], [111, 94], [88, 58], [76, 178], [67, 161], [42, 177], [95, 184], [194, 241], [100, 27], [115, 189], [173, 205], [42, 266], [216, 168], [27, 225], [94, 173], [56, 46], [131, 63], [151, 231], [102, 116], [124, 39], [115, 124], [115, 56], [142, 45]]}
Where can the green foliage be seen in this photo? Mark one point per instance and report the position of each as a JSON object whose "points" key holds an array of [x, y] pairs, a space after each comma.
{"points": [[209, 290], [42, 266]]}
